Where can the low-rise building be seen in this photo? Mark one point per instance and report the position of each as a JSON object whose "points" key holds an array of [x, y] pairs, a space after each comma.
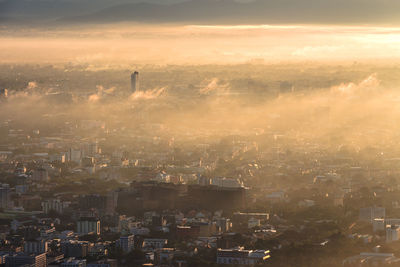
{"points": [[240, 256], [103, 263], [23, 259], [371, 213], [378, 225], [71, 262], [371, 259], [154, 243]]}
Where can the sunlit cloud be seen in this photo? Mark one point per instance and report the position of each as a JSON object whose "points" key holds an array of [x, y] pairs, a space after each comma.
{"points": [[124, 44]]}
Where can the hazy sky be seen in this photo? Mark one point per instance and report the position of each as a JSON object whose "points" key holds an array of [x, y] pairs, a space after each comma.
{"points": [[193, 44], [198, 31]]}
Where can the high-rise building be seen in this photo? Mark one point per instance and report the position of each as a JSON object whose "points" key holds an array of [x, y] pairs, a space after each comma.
{"points": [[36, 246], [54, 205], [5, 196], [87, 226], [112, 202], [75, 155], [135, 82], [93, 149], [74, 248], [3, 93], [126, 243]]}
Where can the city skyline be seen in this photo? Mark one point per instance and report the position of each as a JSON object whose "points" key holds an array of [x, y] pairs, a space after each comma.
{"points": [[191, 133]]}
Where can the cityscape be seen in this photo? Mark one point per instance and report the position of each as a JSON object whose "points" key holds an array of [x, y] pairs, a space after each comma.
{"points": [[187, 133]]}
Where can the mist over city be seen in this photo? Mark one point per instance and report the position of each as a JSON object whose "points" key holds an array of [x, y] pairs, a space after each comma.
{"points": [[199, 133]]}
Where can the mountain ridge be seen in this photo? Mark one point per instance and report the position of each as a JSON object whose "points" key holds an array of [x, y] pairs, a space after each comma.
{"points": [[213, 11]]}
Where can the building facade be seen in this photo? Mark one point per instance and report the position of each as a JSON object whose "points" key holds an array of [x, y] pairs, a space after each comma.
{"points": [[88, 226], [241, 256]]}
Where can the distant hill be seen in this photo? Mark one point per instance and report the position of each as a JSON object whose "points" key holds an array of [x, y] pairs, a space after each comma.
{"points": [[192, 11], [205, 11], [50, 10]]}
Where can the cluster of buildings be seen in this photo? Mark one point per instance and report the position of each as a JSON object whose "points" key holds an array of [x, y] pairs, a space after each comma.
{"points": [[53, 221], [100, 194], [107, 239]]}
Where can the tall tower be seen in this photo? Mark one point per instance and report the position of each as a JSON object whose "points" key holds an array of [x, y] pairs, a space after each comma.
{"points": [[135, 82], [3, 93]]}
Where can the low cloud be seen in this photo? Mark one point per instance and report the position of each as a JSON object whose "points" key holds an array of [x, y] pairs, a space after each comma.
{"points": [[148, 94], [214, 86]]}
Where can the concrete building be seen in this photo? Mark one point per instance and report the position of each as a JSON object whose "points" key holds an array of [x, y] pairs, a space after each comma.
{"points": [[48, 232], [89, 164], [378, 225], [253, 222], [306, 203], [104, 263], [98, 249], [3, 255], [20, 169], [87, 202], [3, 93], [338, 200], [392, 221], [5, 196], [223, 225], [185, 232], [112, 201], [277, 196], [54, 205], [241, 256], [75, 155], [392, 233], [371, 213], [154, 243], [36, 247], [23, 259], [73, 263], [58, 157], [88, 226], [164, 255], [40, 175], [91, 149], [203, 181], [371, 259], [227, 182], [76, 249], [126, 243], [21, 189]]}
